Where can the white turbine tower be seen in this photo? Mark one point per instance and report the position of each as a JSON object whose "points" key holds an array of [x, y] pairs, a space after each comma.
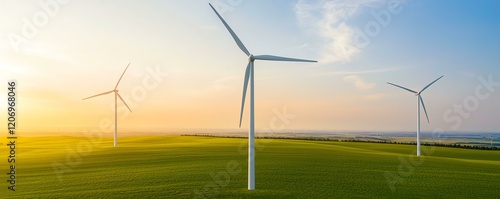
{"points": [[116, 95], [249, 76], [419, 101]]}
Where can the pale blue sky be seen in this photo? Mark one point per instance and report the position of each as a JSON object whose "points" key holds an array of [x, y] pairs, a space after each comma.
{"points": [[86, 44]]}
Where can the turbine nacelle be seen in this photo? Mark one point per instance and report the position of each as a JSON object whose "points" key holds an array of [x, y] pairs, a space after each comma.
{"points": [[251, 58], [417, 94]]}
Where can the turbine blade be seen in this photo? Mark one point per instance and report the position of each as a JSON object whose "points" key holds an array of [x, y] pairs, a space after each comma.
{"points": [[245, 85], [402, 87], [98, 95], [277, 58], [235, 37], [122, 76], [123, 101], [423, 105], [431, 84]]}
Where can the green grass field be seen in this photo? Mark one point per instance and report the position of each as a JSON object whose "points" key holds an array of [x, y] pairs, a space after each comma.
{"points": [[204, 167]]}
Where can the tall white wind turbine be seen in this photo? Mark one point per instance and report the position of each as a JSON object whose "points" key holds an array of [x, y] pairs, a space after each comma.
{"points": [[117, 95], [249, 77], [419, 101]]}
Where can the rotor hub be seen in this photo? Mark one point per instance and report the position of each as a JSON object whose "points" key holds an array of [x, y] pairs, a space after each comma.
{"points": [[251, 58]]}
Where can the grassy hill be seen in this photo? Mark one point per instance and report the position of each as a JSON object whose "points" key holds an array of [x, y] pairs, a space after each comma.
{"points": [[205, 167]]}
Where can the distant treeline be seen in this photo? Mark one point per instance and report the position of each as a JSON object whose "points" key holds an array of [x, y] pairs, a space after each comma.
{"points": [[463, 146]]}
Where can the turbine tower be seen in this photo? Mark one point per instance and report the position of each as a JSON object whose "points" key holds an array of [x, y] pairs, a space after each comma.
{"points": [[419, 101], [117, 95], [249, 79]]}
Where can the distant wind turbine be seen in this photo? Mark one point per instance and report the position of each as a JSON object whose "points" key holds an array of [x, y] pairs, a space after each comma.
{"points": [[249, 76], [116, 95], [419, 101]]}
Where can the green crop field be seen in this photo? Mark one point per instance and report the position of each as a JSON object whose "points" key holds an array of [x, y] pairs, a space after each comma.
{"points": [[206, 167]]}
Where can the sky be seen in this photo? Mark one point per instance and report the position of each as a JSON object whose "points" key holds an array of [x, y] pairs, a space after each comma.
{"points": [[186, 72]]}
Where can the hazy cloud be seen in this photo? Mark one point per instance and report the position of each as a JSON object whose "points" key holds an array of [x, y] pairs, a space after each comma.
{"points": [[358, 82], [328, 19], [374, 97], [52, 55], [359, 72], [224, 83]]}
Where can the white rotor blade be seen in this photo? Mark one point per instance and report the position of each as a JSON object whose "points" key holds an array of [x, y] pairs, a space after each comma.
{"points": [[235, 37], [98, 95], [122, 76], [431, 84], [402, 87], [245, 85], [277, 58], [423, 105], [123, 101]]}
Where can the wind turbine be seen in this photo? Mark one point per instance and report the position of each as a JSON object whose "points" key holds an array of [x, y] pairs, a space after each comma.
{"points": [[249, 77], [116, 95], [419, 101]]}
